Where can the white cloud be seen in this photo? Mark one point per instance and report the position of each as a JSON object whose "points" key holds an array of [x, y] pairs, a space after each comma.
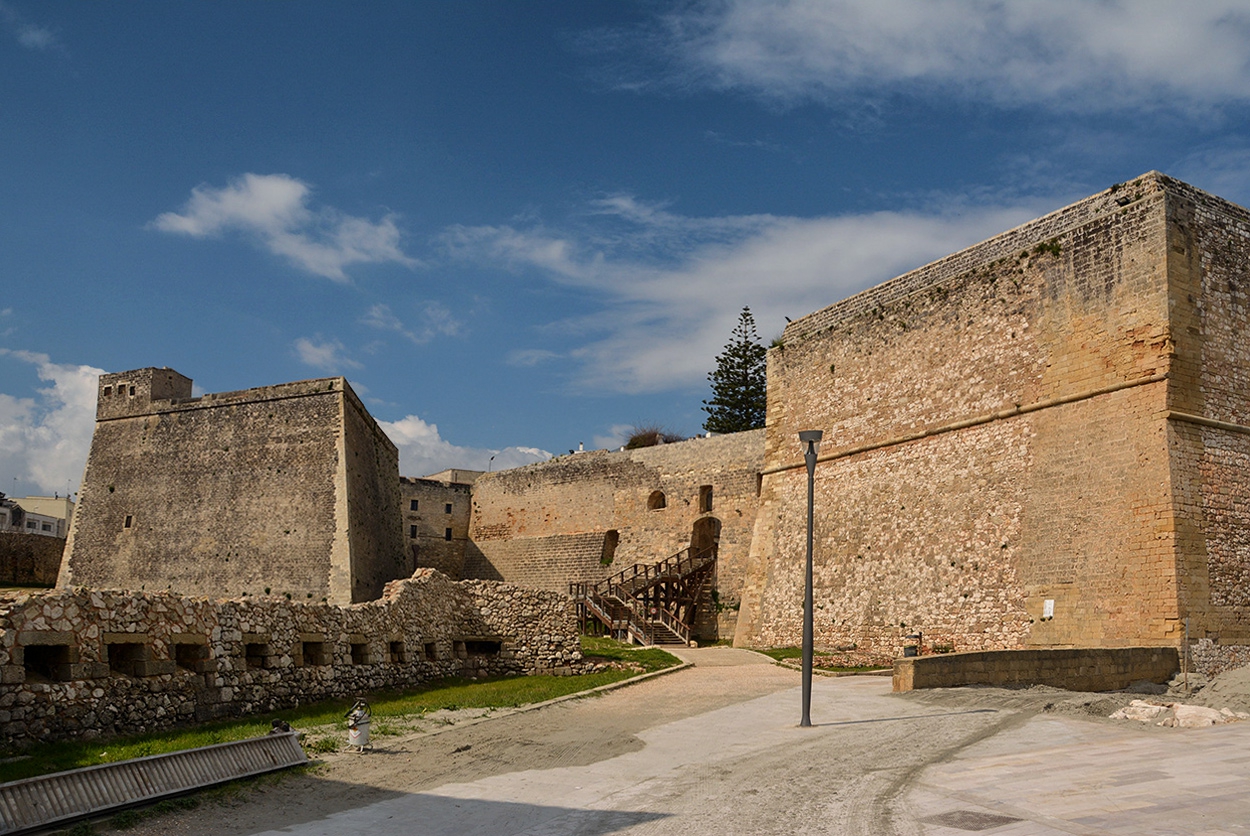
{"points": [[29, 35], [323, 354], [422, 451], [273, 210], [526, 357], [1065, 54], [433, 319], [616, 437], [664, 317], [44, 440], [1224, 171]]}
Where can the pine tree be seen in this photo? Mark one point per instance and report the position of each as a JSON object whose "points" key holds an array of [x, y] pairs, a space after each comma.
{"points": [[739, 382]]}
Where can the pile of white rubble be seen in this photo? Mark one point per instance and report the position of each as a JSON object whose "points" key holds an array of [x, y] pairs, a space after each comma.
{"points": [[1178, 714], [1195, 702]]}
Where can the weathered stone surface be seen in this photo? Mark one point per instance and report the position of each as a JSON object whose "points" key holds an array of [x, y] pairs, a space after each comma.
{"points": [[584, 516], [290, 489], [1040, 441], [177, 659]]}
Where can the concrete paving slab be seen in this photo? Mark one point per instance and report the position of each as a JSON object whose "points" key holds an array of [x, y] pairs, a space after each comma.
{"points": [[875, 763]]}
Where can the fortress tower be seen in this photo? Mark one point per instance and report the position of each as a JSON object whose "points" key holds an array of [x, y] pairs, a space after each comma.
{"points": [[284, 490]]}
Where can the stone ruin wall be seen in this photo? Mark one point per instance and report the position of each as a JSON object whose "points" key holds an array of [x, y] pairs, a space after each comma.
{"points": [[291, 489], [995, 438], [83, 662], [547, 524], [426, 521]]}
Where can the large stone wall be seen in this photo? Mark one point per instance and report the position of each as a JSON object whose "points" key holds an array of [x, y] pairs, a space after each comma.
{"points": [[551, 523], [550, 563], [83, 662], [291, 489], [1004, 462], [29, 559]]}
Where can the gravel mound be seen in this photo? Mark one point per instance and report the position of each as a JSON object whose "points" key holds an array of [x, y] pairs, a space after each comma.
{"points": [[1230, 690]]}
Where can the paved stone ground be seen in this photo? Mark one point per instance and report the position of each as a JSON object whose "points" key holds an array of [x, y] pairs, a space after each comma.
{"points": [[692, 758]]}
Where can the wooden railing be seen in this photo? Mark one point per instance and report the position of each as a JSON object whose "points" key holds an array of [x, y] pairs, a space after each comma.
{"points": [[614, 600]]}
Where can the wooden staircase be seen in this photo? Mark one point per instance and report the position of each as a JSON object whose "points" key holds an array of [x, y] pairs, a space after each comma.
{"points": [[649, 603]]}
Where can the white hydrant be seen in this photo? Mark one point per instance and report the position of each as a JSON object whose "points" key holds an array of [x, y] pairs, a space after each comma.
{"points": [[358, 726]]}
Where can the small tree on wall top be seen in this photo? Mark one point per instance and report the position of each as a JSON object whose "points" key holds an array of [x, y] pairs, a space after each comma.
{"points": [[739, 397]]}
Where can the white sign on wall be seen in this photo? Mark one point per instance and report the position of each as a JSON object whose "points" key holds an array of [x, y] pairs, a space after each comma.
{"points": [[1048, 608]]}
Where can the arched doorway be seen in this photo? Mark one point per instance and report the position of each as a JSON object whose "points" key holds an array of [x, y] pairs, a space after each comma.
{"points": [[705, 535]]}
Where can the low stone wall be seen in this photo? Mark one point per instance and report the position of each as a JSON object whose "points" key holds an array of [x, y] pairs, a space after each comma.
{"points": [[1079, 669], [29, 559], [84, 662]]}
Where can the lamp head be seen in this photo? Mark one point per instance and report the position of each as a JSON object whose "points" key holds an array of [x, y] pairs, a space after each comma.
{"points": [[811, 436]]}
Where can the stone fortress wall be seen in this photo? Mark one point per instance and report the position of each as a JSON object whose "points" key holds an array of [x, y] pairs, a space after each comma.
{"points": [[436, 522], [83, 662], [1037, 442], [292, 489], [587, 515]]}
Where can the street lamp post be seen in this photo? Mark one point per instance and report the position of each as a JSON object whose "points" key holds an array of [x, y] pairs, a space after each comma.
{"points": [[812, 439]]}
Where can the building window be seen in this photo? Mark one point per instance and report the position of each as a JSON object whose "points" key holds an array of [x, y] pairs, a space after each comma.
{"points": [[657, 501], [360, 654], [412, 532], [108, 390], [32, 525], [397, 653], [412, 505], [191, 657], [130, 521], [46, 527], [255, 653], [126, 658], [313, 653], [705, 498], [446, 533], [132, 391], [447, 508], [49, 661]]}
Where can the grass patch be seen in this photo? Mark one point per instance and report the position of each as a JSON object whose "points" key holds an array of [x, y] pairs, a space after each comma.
{"points": [[782, 653], [786, 654], [650, 658], [394, 713]]}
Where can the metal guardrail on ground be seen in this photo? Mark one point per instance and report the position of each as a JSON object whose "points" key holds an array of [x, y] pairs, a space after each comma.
{"points": [[36, 803]]}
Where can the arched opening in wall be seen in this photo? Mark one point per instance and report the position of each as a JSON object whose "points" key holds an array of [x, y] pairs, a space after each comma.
{"points": [[656, 501], [610, 541], [705, 535]]}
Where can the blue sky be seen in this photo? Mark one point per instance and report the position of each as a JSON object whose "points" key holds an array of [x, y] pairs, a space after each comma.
{"points": [[517, 227]]}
